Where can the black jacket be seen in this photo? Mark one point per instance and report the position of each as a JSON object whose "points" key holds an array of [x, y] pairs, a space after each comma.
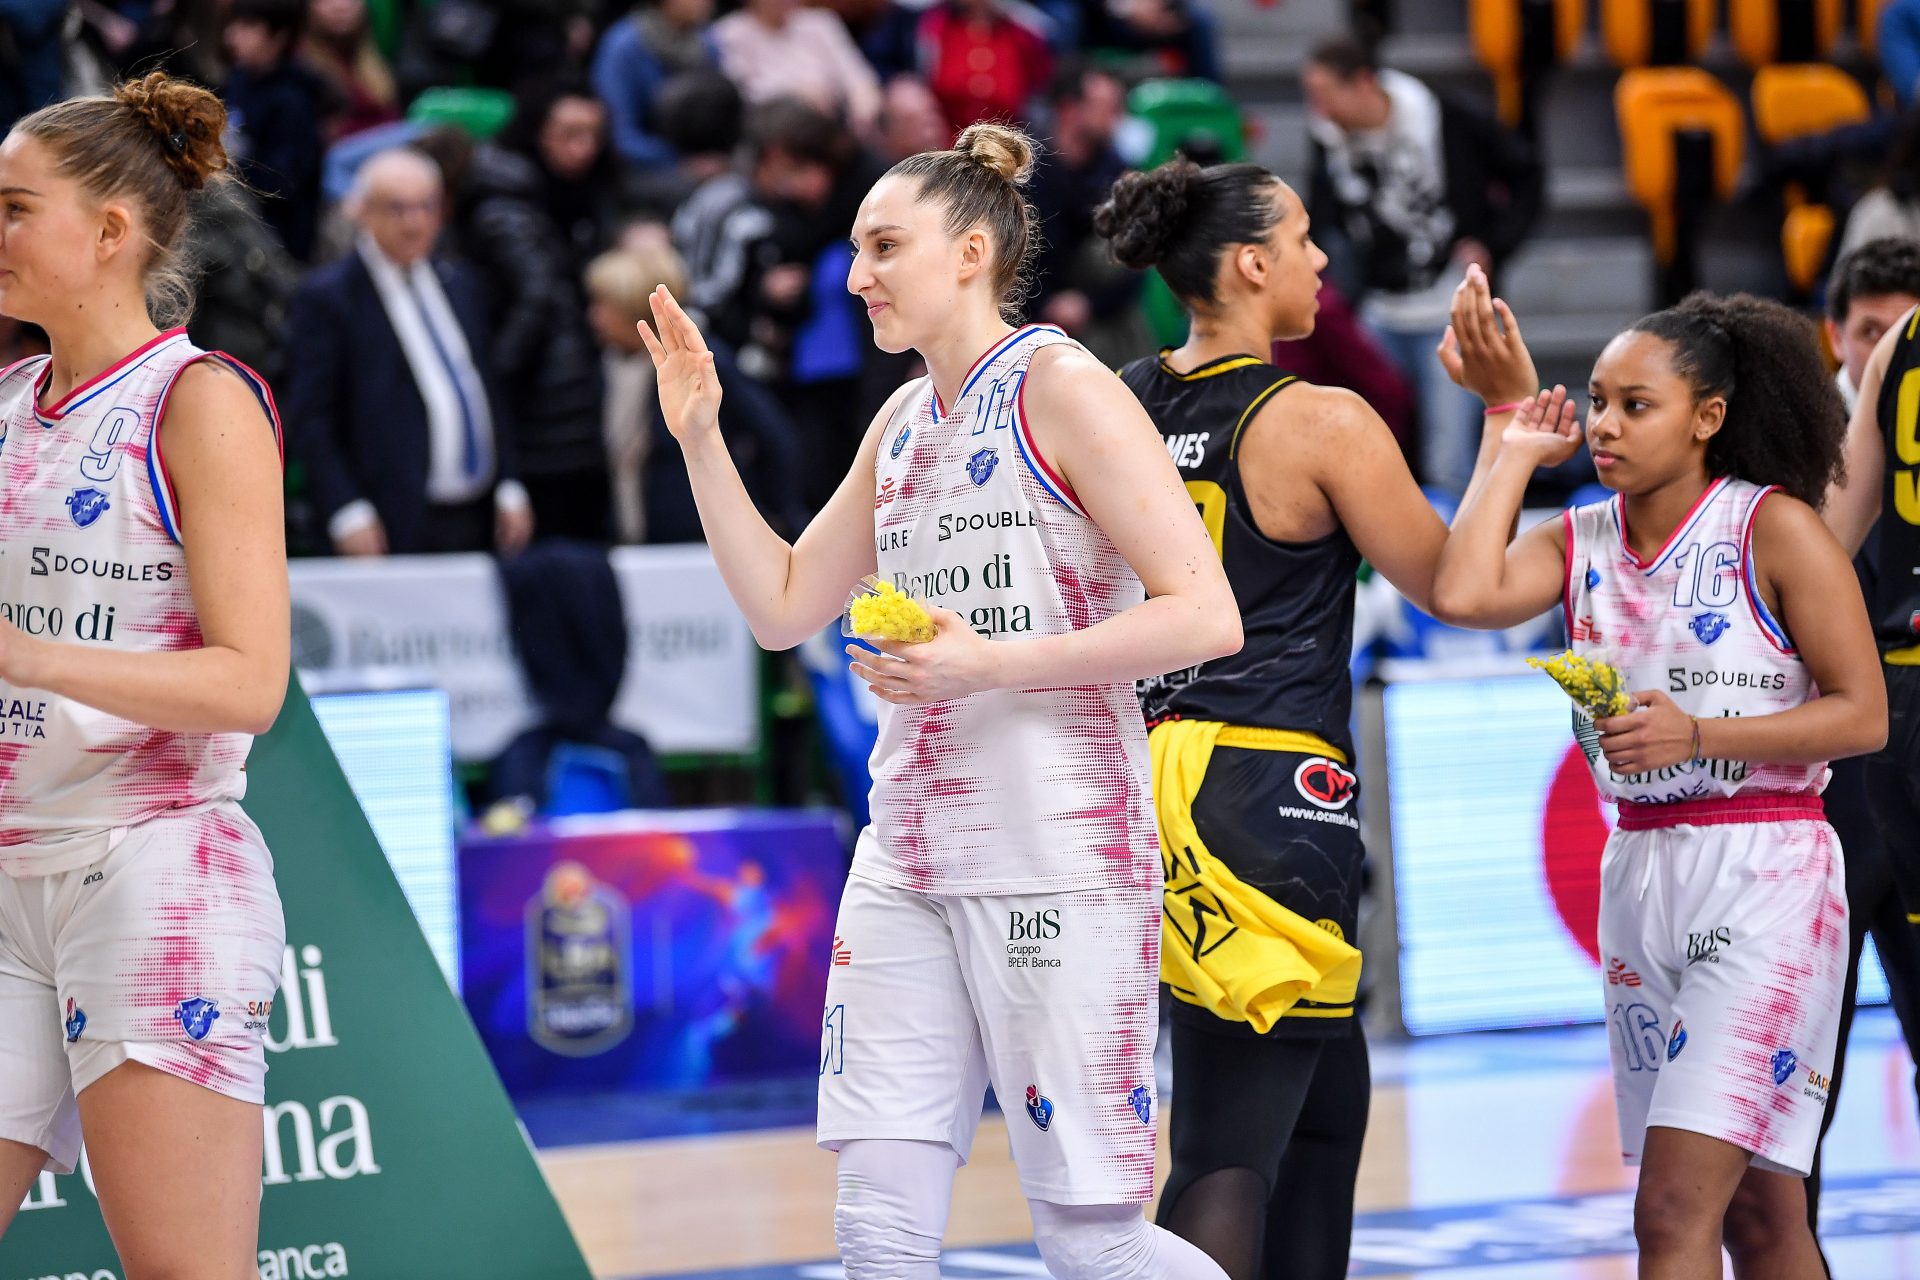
{"points": [[1495, 186], [544, 351], [353, 414]]}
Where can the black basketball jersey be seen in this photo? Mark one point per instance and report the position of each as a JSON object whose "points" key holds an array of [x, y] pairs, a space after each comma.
{"points": [[1895, 602], [1296, 598]]}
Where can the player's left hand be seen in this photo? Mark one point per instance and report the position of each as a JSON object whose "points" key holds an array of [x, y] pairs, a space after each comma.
{"points": [[1655, 735], [956, 662]]}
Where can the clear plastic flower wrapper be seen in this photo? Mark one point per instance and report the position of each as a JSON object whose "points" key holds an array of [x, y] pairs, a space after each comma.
{"points": [[878, 610], [1596, 686]]}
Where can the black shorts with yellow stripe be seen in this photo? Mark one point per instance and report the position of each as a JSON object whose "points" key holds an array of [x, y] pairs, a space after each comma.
{"points": [[1287, 824]]}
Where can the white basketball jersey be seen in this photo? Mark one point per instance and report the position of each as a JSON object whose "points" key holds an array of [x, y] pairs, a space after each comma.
{"points": [[90, 556], [1690, 622], [1008, 791]]}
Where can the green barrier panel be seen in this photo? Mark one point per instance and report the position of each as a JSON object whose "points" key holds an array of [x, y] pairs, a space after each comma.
{"points": [[391, 1148]]}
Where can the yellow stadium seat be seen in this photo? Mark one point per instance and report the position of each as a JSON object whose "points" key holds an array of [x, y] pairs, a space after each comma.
{"points": [[1768, 31], [1508, 47], [1804, 237], [1655, 105], [1793, 101], [1867, 24], [1639, 33]]}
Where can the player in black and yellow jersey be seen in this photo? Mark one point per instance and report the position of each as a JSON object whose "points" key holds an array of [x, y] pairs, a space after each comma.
{"points": [[1253, 759], [1882, 484]]}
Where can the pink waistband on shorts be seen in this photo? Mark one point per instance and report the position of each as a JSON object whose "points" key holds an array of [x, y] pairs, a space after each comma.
{"points": [[1760, 806]]}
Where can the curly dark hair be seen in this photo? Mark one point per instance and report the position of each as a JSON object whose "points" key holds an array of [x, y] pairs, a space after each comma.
{"points": [[1181, 218], [1785, 423]]}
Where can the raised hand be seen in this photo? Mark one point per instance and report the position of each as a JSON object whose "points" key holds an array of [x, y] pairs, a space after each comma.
{"points": [[683, 367], [1546, 429], [1483, 350]]}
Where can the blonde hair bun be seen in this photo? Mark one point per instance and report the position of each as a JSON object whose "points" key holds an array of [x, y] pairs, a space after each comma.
{"points": [[1001, 148]]}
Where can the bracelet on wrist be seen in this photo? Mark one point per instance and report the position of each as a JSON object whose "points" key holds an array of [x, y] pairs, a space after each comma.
{"points": [[1512, 406], [1696, 736]]}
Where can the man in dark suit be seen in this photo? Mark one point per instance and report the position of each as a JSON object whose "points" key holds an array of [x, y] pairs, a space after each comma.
{"points": [[388, 398]]}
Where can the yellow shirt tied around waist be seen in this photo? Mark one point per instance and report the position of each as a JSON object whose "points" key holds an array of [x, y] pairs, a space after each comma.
{"points": [[1268, 958]]}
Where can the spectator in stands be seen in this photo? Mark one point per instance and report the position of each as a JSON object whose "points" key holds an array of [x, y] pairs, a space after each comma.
{"points": [[1076, 284], [718, 233], [1891, 209], [340, 49], [1899, 47], [498, 43], [247, 281], [534, 210], [653, 501], [1412, 188], [658, 40], [701, 117], [1177, 37], [778, 49], [984, 60], [910, 120], [276, 107], [1871, 289], [390, 404], [31, 60]]}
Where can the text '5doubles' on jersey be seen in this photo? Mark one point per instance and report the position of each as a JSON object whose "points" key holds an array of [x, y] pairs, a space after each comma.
{"points": [[1296, 598], [90, 556], [1689, 621], [1010, 790], [1896, 598]]}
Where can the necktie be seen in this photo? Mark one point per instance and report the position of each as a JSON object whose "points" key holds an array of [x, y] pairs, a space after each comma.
{"points": [[469, 429]]}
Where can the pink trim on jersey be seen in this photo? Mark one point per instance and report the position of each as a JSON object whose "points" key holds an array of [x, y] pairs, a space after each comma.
{"points": [[1748, 806], [55, 412], [1769, 625], [1566, 574], [1693, 513], [1055, 483]]}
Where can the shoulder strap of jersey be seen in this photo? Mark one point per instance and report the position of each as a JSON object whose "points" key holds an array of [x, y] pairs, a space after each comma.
{"points": [[1278, 382], [163, 492], [1904, 360]]}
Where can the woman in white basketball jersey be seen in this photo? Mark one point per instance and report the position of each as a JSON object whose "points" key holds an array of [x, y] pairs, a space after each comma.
{"points": [[1710, 581], [1002, 920], [143, 641]]}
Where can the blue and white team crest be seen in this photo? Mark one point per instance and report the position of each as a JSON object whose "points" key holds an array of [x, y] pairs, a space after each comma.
{"points": [[197, 1017], [87, 504], [1784, 1061], [1039, 1108], [1679, 1041], [1593, 578], [900, 441], [1142, 1100], [980, 466], [76, 1020], [1708, 627]]}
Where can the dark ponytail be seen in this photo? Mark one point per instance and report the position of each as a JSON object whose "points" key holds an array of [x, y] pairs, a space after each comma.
{"points": [[1181, 218], [1785, 422]]}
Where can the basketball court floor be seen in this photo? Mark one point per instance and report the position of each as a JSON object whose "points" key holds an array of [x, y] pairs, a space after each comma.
{"points": [[1489, 1157]]}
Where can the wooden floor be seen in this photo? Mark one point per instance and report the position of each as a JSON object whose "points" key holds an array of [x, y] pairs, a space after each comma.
{"points": [[1514, 1128]]}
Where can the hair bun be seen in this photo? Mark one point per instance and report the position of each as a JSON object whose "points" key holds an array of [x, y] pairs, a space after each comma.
{"points": [[1001, 148], [1146, 212], [187, 121]]}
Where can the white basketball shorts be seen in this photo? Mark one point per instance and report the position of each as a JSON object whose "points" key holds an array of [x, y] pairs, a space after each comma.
{"points": [[165, 952], [1052, 998], [1723, 935]]}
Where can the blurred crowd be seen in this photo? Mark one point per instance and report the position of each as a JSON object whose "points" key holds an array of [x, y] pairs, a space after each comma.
{"points": [[454, 212]]}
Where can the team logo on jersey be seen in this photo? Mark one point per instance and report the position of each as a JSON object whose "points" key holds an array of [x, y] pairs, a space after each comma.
{"points": [[87, 504], [1142, 1100], [1708, 627], [1039, 1108], [197, 1016], [1619, 975], [1678, 1042], [1784, 1061], [842, 953], [900, 441], [980, 466], [886, 494], [1324, 783], [1593, 578], [76, 1020]]}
